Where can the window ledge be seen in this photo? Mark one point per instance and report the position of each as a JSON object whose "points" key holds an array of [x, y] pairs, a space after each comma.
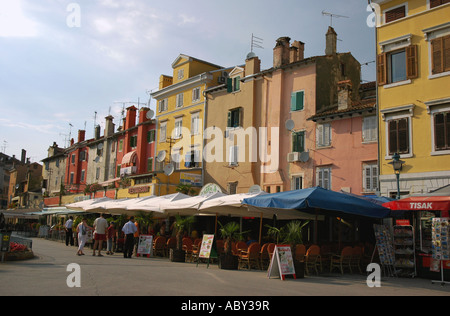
{"points": [[439, 75], [396, 84], [440, 152]]}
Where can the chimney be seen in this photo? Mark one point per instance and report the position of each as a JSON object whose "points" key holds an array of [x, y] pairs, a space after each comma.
{"points": [[331, 40], [297, 51], [24, 155], [143, 114], [131, 117], [344, 94], [97, 132], [281, 52], [109, 126], [252, 65], [81, 135]]}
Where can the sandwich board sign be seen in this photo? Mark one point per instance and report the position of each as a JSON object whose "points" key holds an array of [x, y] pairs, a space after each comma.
{"points": [[145, 245], [282, 262], [207, 248]]}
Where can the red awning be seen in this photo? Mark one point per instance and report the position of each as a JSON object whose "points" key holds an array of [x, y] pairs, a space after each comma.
{"points": [[129, 158], [420, 203]]}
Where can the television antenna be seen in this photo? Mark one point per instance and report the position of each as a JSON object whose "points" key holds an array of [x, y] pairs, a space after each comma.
{"points": [[256, 43], [332, 15]]}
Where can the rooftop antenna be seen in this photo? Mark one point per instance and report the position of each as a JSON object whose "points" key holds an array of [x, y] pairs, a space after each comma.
{"points": [[70, 133], [331, 15], [256, 43], [5, 144]]}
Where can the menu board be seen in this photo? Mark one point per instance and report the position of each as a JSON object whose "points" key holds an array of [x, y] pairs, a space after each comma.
{"points": [[205, 249], [145, 245], [440, 234], [282, 262], [384, 244]]}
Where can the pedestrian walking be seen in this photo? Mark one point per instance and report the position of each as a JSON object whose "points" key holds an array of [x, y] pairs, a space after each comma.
{"points": [[111, 235], [68, 227], [82, 229], [129, 229], [100, 226]]}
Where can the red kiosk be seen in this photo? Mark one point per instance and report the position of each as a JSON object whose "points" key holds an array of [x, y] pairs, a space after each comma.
{"points": [[423, 209]]}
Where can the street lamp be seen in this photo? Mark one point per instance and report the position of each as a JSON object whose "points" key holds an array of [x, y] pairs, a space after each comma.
{"points": [[397, 164]]}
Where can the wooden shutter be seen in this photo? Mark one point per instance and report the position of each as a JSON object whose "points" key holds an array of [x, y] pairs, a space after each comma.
{"points": [[411, 62], [436, 53], [381, 69], [436, 3], [395, 14], [439, 131], [392, 137], [446, 53], [403, 136]]}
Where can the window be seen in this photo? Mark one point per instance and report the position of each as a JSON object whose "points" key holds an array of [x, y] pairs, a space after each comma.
{"points": [[436, 3], [398, 136], [440, 52], [180, 74], [151, 136], [297, 183], [398, 65], [370, 177], [234, 118], [195, 94], [72, 175], [163, 105], [233, 161], [195, 123], [133, 141], [323, 135], [297, 100], [82, 155], [232, 187], [179, 102], [83, 172], [234, 84], [323, 177], [442, 131], [73, 159], [120, 145], [178, 127], [298, 142], [176, 159], [97, 173], [395, 14], [369, 127], [192, 159], [162, 132]]}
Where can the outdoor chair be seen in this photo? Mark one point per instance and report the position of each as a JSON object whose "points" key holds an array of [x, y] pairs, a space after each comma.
{"points": [[159, 245], [196, 249], [250, 257], [300, 252], [355, 262], [312, 259], [270, 250], [187, 247], [239, 246], [343, 261], [171, 244], [264, 256]]}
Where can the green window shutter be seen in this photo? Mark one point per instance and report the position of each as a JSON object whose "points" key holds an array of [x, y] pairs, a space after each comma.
{"points": [[229, 85], [297, 100], [237, 83], [293, 101], [150, 164], [148, 136], [229, 119]]}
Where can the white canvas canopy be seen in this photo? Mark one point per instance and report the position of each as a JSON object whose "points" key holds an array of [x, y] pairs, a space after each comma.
{"points": [[153, 205], [117, 207], [188, 206], [80, 206]]}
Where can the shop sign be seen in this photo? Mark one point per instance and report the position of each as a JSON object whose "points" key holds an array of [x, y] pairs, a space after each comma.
{"points": [[210, 188], [402, 222], [136, 190], [421, 206]]}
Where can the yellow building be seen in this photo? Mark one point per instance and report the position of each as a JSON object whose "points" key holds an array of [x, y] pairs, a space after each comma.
{"points": [[180, 114], [413, 74]]}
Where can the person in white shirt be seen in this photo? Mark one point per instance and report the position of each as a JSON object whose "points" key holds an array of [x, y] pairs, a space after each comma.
{"points": [[69, 231], [100, 226], [129, 229]]}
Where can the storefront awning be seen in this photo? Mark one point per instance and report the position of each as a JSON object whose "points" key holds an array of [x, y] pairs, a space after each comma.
{"points": [[129, 158], [420, 203]]}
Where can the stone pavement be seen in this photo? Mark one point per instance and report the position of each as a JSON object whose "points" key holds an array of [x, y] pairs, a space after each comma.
{"points": [[47, 275]]}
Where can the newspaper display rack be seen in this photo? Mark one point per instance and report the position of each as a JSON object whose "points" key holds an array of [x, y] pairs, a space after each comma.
{"points": [[385, 248], [440, 247], [404, 249]]}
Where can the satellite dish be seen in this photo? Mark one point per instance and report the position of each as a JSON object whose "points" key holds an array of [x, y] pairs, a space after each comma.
{"points": [[161, 156], [100, 146], [169, 169], [254, 189], [290, 124], [97, 159], [150, 114], [304, 156]]}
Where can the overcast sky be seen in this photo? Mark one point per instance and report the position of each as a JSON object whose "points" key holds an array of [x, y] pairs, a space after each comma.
{"points": [[58, 67]]}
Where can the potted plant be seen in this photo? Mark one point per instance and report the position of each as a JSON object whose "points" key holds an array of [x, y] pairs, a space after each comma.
{"points": [[230, 232], [181, 223], [292, 234]]}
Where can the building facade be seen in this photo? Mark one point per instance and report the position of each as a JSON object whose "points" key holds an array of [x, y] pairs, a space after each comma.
{"points": [[413, 75]]}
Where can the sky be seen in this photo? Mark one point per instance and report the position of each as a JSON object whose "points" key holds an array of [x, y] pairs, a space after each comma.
{"points": [[65, 64]]}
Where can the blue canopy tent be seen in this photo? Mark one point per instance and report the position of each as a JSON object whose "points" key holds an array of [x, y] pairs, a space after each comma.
{"points": [[319, 201]]}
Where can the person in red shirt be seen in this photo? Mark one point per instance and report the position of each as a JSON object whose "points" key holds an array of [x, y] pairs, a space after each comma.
{"points": [[111, 237]]}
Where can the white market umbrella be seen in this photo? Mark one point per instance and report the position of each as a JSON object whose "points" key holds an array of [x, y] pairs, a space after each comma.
{"points": [[188, 206], [118, 207], [229, 205], [153, 205], [79, 206]]}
